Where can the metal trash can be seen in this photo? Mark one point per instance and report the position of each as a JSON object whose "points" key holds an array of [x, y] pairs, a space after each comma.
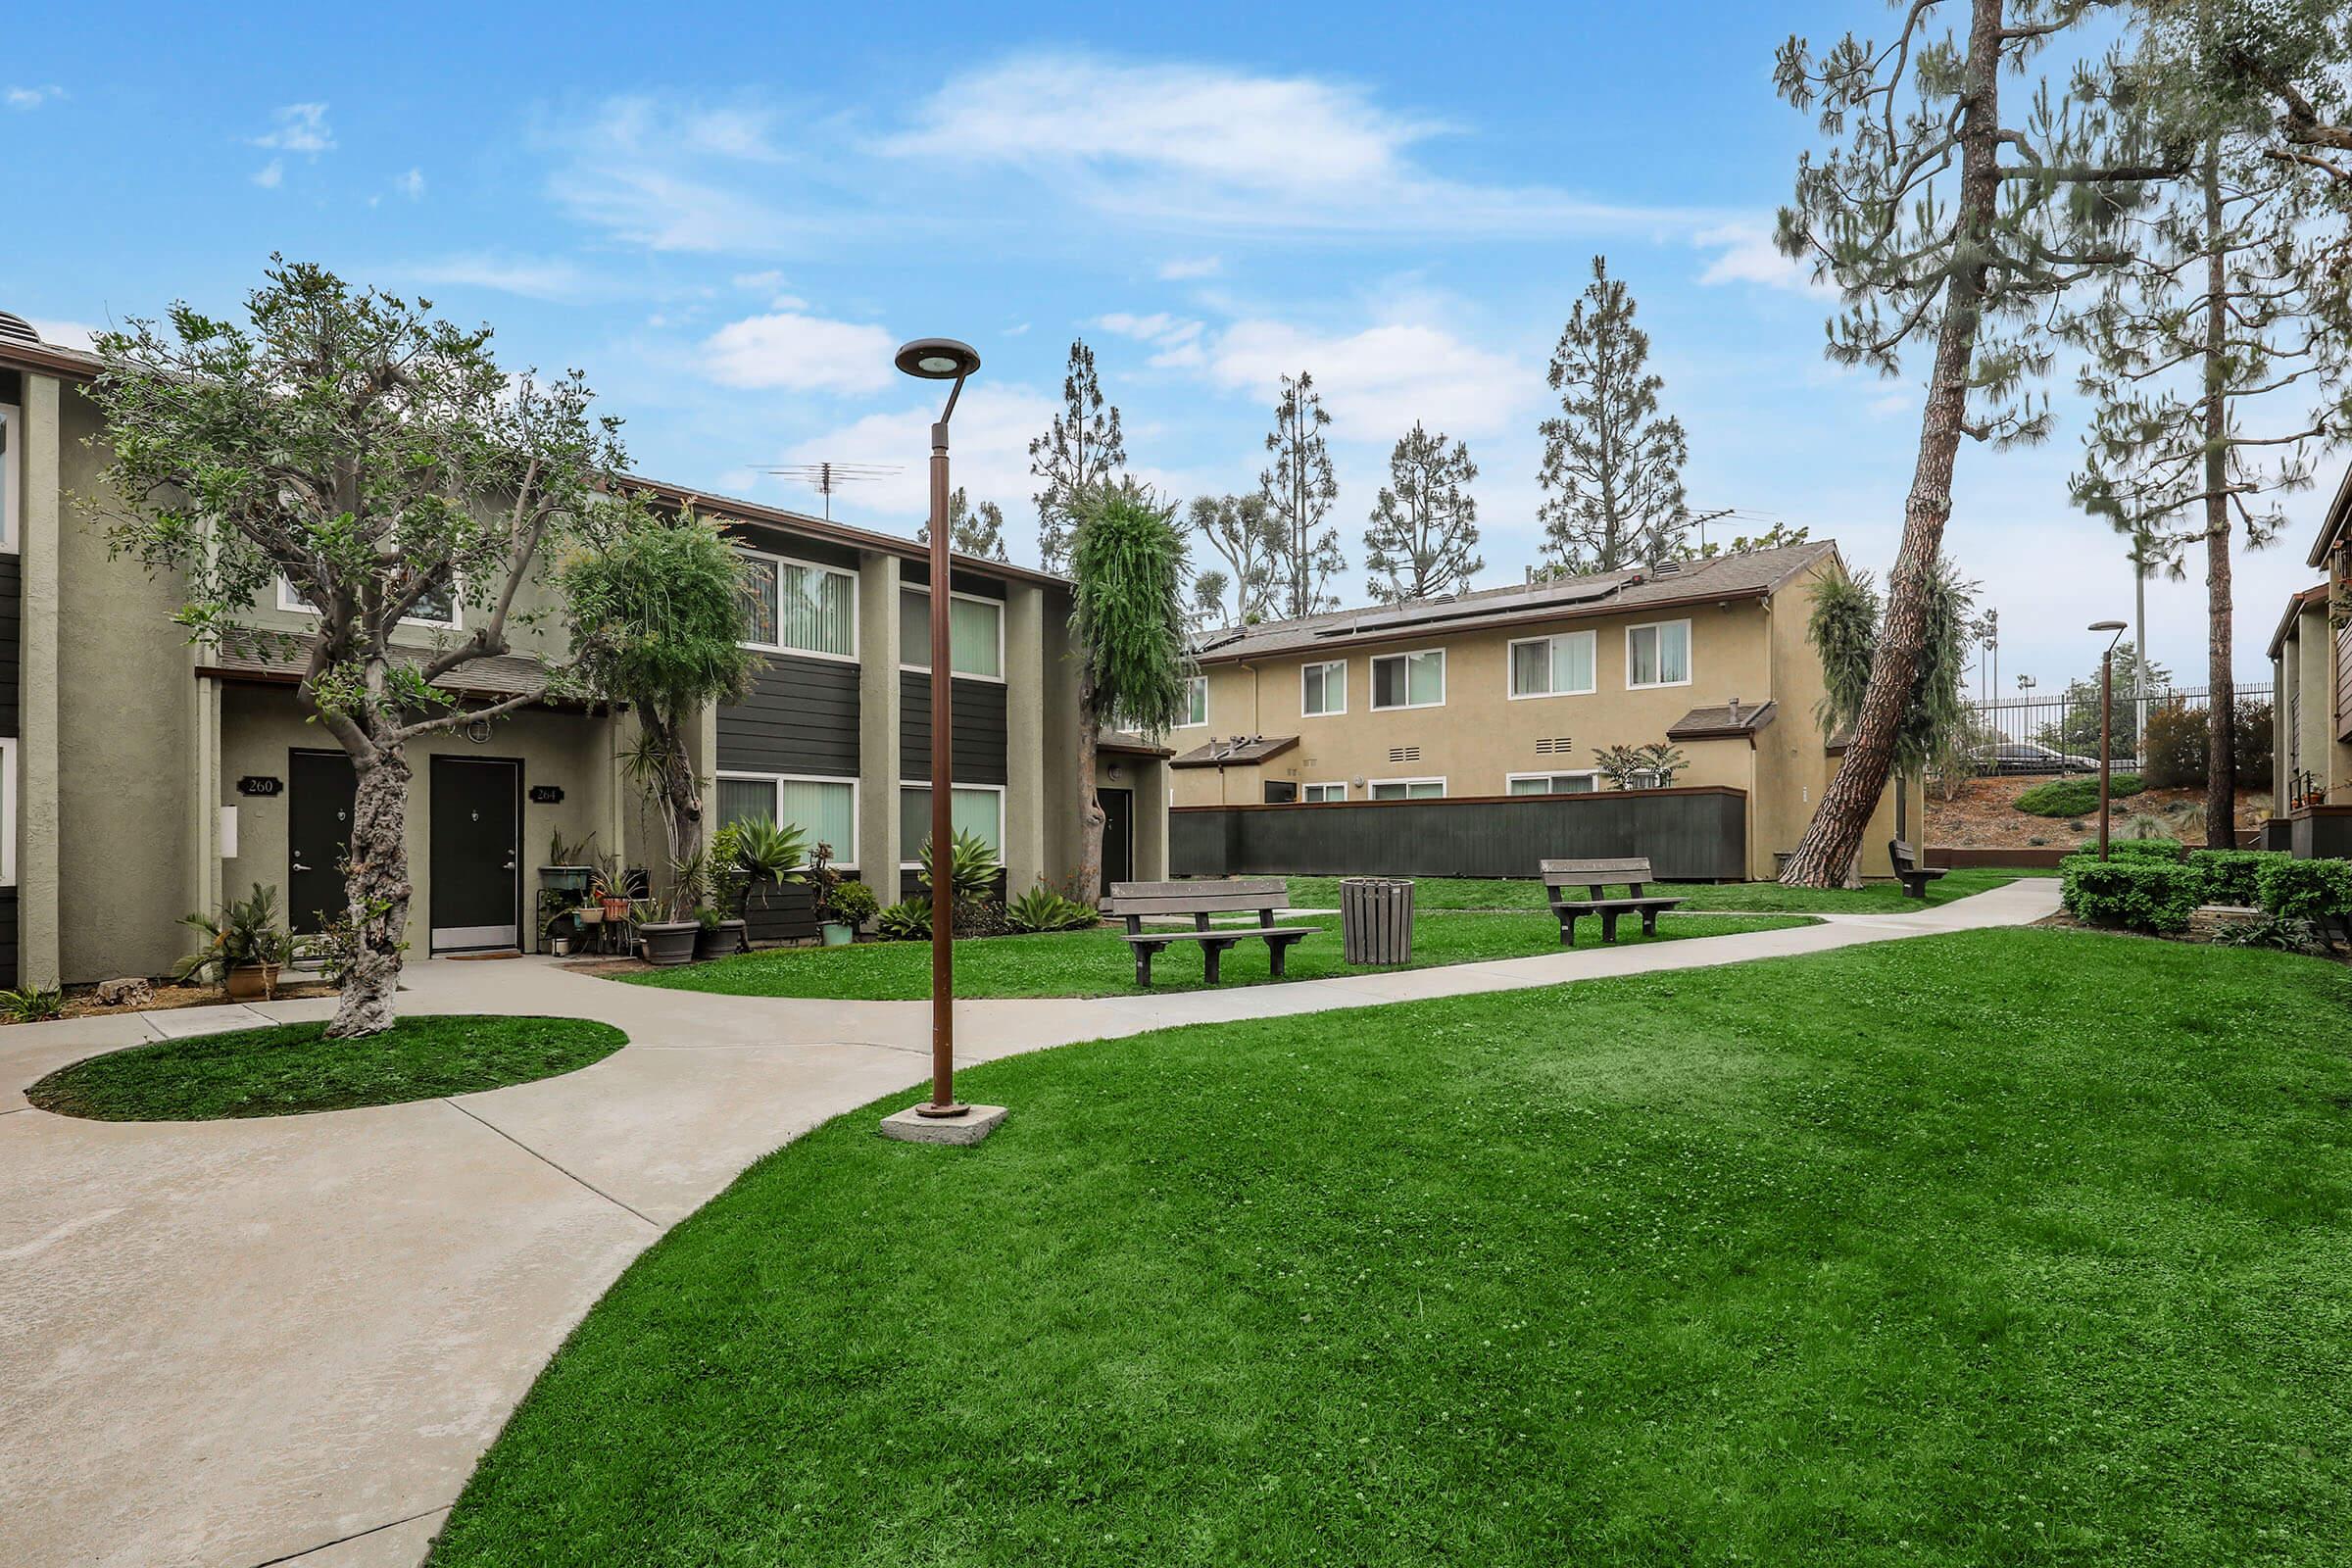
{"points": [[1376, 920]]}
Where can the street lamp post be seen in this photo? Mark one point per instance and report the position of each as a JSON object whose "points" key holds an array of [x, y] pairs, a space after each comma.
{"points": [[941, 359], [2106, 719]]}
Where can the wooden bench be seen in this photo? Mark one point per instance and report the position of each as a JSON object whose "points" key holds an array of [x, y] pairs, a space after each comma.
{"points": [[1259, 895], [1916, 876], [1594, 876]]}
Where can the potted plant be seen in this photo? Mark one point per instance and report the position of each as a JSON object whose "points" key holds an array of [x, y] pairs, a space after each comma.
{"points": [[718, 933], [854, 908], [824, 883], [244, 947], [568, 868], [609, 890]]}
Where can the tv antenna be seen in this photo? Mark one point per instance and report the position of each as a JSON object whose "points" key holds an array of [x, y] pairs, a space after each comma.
{"points": [[827, 477]]}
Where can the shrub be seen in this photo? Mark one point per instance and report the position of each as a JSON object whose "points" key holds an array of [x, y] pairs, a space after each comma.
{"points": [[909, 920], [2073, 797], [2151, 848], [2229, 873], [32, 1005], [971, 866], [2317, 890], [2172, 747], [2254, 746], [1041, 908], [980, 918], [2134, 892], [2273, 931], [854, 902]]}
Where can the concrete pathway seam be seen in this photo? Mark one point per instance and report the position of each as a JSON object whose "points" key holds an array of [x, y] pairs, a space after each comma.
{"points": [[551, 1165], [357, 1535]]}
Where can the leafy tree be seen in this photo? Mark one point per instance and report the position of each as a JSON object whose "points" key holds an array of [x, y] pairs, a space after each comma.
{"points": [[2284, 60], [1076, 458], [2195, 346], [1424, 532], [1641, 768], [1298, 490], [658, 623], [971, 530], [1616, 464], [1241, 531], [1127, 622], [2076, 729], [1943, 223], [377, 460]]}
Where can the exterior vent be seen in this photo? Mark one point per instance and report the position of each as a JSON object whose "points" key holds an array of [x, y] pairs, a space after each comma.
{"points": [[1554, 745], [1666, 569], [1404, 754], [17, 329]]}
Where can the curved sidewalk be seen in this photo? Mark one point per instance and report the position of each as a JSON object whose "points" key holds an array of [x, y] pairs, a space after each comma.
{"points": [[286, 1340]]}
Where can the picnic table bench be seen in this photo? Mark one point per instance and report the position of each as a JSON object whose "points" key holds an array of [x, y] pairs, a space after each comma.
{"points": [[1259, 895], [1594, 876], [1915, 877]]}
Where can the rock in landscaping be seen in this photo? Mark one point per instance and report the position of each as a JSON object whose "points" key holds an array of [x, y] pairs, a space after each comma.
{"points": [[127, 992]]}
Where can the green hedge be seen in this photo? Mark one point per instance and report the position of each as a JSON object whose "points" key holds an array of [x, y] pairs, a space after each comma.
{"points": [[2138, 892], [2230, 874], [2075, 796], [2317, 890]]}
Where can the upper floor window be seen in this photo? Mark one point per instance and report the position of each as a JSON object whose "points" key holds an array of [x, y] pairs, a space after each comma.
{"points": [[1195, 703], [437, 606], [797, 606], [1322, 792], [1323, 689], [975, 633], [1553, 783], [11, 463], [1658, 653], [1409, 680], [1552, 667], [1408, 788]]}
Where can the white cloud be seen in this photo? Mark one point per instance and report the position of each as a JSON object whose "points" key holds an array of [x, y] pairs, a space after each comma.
{"points": [[1208, 145], [1016, 331], [30, 98], [801, 353], [532, 277], [994, 424], [670, 181], [66, 334], [299, 129], [1378, 381], [1745, 252], [1182, 269], [759, 282], [410, 184], [270, 175]]}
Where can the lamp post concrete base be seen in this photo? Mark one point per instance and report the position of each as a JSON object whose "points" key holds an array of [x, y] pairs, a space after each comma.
{"points": [[912, 1126]]}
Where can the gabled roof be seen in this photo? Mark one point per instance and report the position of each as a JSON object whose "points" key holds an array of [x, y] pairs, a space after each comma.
{"points": [[2296, 604], [2337, 526], [280, 661], [1240, 751], [1719, 723], [1750, 574]]}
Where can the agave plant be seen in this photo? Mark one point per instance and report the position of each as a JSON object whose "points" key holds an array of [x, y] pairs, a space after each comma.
{"points": [[1042, 908], [769, 852], [971, 866]]}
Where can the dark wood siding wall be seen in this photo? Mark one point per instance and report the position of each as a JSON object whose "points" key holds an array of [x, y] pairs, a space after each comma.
{"points": [[799, 716], [979, 729], [1690, 834]]}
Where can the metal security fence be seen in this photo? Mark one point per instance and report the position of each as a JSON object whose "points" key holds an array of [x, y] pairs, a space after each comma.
{"points": [[2061, 734]]}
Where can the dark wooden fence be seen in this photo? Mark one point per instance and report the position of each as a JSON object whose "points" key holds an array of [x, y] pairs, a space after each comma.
{"points": [[1695, 834]]}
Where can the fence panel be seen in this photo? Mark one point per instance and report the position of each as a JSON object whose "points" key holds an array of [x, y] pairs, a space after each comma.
{"points": [[2061, 734]]}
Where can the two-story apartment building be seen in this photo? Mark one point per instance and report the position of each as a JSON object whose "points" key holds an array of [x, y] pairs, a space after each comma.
{"points": [[1511, 691], [2311, 666], [143, 776]]}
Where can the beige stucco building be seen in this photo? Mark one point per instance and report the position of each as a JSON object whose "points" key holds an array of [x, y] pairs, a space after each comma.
{"points": [[2311, 663], [143, 776], [1511, 691]]}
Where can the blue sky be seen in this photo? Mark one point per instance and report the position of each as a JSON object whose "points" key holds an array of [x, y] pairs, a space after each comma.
{"points": [[729, 217]]}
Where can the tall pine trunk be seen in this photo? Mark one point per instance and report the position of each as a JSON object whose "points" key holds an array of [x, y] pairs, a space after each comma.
{"points": [[1835, 837], [1089, 831], [377, 887], [2221, 711]]}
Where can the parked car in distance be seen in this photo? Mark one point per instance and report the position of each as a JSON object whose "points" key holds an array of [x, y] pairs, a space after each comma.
{"points": [[2031, 756]]}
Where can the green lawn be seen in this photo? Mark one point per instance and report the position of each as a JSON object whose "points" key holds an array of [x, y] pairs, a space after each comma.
{"points": [[1485, 893], [2003, 1248], [292, 1067], [1099, 962]]}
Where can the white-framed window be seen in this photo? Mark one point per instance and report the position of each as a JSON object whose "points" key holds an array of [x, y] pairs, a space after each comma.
{"points": [[1409, 680], [8, 811], [1582, 783], [1560, 666], [1195, 703], [1323, 792], [1657, 654], [1408, 788], [1323, 689], [12, 467], [974, 809], [823, 808], [975, 633], [436, 607], [798, 607]]}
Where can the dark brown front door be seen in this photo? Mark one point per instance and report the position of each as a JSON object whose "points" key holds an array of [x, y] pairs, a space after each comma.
{"points": [[320, 787], [1119, 837], [477, 890]]}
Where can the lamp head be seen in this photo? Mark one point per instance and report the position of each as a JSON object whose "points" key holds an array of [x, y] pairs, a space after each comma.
{"points": [[2107, 625], [937, 359]]}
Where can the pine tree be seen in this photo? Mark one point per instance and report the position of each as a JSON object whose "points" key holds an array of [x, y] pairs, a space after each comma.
{"points": [[971, 530], [1423, 540], [1943, 223], [1241, 531], [1075, 457], [1616, 465], [1299, 490]]}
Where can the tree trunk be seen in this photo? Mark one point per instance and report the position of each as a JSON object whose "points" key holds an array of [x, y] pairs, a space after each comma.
{"points": [[1835, 836], [377, 883], [2221, 709], [1090, 836], [681, 808]]}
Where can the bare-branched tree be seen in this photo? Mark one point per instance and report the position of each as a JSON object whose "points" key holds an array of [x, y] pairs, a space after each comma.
{"points": [[1243, 532], [1074, 459], [1298, 489]]}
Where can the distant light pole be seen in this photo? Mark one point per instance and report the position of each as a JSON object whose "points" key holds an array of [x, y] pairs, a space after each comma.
{"points": [[2106, 718], [941, 359]]}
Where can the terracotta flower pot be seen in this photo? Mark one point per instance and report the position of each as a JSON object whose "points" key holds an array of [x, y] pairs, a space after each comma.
{"points": [[251, 982]]}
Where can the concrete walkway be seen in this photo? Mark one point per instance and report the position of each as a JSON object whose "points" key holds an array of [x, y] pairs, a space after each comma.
{"points": [[286, 1340]]}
